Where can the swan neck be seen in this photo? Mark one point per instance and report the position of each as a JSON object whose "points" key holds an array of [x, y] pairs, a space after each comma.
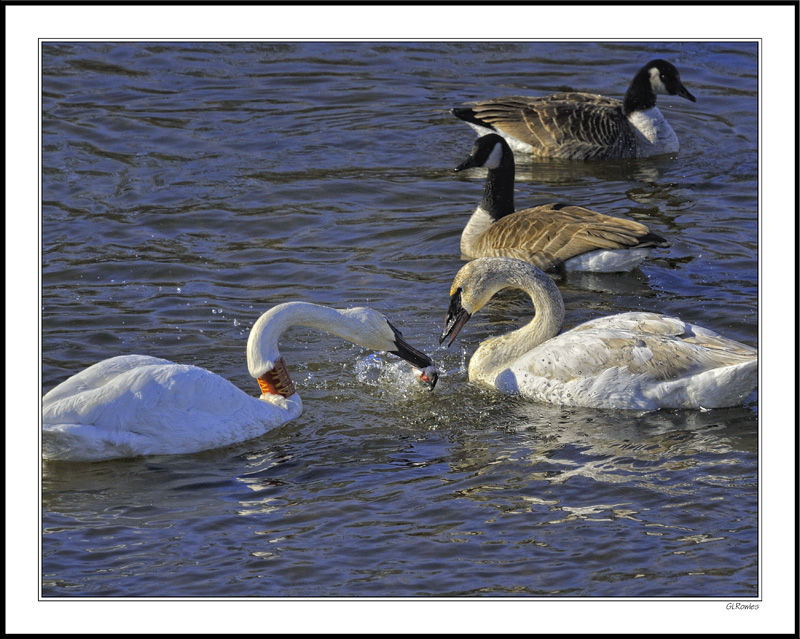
{"points": [[262, 344], [276, 381], [497, 353]]}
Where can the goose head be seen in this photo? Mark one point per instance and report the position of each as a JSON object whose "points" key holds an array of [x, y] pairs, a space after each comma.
{"points": [[490, 152], [665, 79]]}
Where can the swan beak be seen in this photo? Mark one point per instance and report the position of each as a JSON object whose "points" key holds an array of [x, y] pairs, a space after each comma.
{"points": [[684, 93], [425, 368], [455, 320], [428, 376]]}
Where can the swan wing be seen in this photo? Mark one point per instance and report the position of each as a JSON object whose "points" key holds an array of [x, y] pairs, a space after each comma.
{"points": [[155, 408], [100, 374], [636, 360]]}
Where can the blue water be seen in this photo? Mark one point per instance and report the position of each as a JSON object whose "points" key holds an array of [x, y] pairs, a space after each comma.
{"points": [[189, 187]]}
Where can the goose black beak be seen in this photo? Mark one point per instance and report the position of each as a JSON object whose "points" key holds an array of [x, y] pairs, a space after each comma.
{"points": [[469, 163], [455, 320], [427, 370], [683, 93]]}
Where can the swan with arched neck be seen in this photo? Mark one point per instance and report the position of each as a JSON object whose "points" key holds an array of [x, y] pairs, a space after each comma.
{"points": [[134, 405], [636, 360]]}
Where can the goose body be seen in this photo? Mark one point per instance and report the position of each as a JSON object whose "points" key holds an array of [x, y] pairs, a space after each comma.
{"points": [[551, 236], [583, 126], [139, 405], [637, 360]]}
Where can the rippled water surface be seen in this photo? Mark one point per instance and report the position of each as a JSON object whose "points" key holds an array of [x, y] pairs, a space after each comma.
{"points": [[189, 187]]}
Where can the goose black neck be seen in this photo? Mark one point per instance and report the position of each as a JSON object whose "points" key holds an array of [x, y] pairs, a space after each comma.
{"points": [[498, 195], [639, 95]]}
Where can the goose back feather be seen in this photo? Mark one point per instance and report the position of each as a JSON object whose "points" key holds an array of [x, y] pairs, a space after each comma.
{"points": [[552, 235], [584, 126]]}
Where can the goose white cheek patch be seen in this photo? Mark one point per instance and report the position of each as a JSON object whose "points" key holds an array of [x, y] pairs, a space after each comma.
{"points": [[656, 83], [493, 161]]}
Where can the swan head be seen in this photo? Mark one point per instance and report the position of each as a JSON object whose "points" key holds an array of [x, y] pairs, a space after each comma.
{"points": [[479, 280], [362, 326], [377, 333], [455, 319], [474, 285]]}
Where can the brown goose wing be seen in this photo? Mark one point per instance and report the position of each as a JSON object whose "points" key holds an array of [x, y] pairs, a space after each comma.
{"points": [[550, 234], [567, 125]]}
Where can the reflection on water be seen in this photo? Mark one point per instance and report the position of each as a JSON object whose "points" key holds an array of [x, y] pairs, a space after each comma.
{"points": [[187, 187]]}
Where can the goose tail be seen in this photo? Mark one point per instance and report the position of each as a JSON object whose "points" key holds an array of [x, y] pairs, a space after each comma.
{"points": [[468, 115], [652, 239]]}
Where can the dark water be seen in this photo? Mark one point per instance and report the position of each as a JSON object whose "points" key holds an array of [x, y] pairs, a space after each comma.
{"points": [[189, 187]]}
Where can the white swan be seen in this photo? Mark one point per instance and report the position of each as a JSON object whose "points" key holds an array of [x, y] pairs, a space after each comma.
{"points": [[552, 236], [137, 405], [643, 361], [584, 126]]}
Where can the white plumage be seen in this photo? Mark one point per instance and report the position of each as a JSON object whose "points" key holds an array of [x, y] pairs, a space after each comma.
{"points": [[139, 405], [637, 360]]}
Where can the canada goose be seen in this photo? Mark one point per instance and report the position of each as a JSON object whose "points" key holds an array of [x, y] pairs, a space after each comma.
{"points": [[642, 361], [582, 126], [551, 236], [138, 405]]}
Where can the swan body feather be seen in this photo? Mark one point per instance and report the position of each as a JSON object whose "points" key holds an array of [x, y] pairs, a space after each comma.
{"points": [[635, 360], [137, 405]]}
